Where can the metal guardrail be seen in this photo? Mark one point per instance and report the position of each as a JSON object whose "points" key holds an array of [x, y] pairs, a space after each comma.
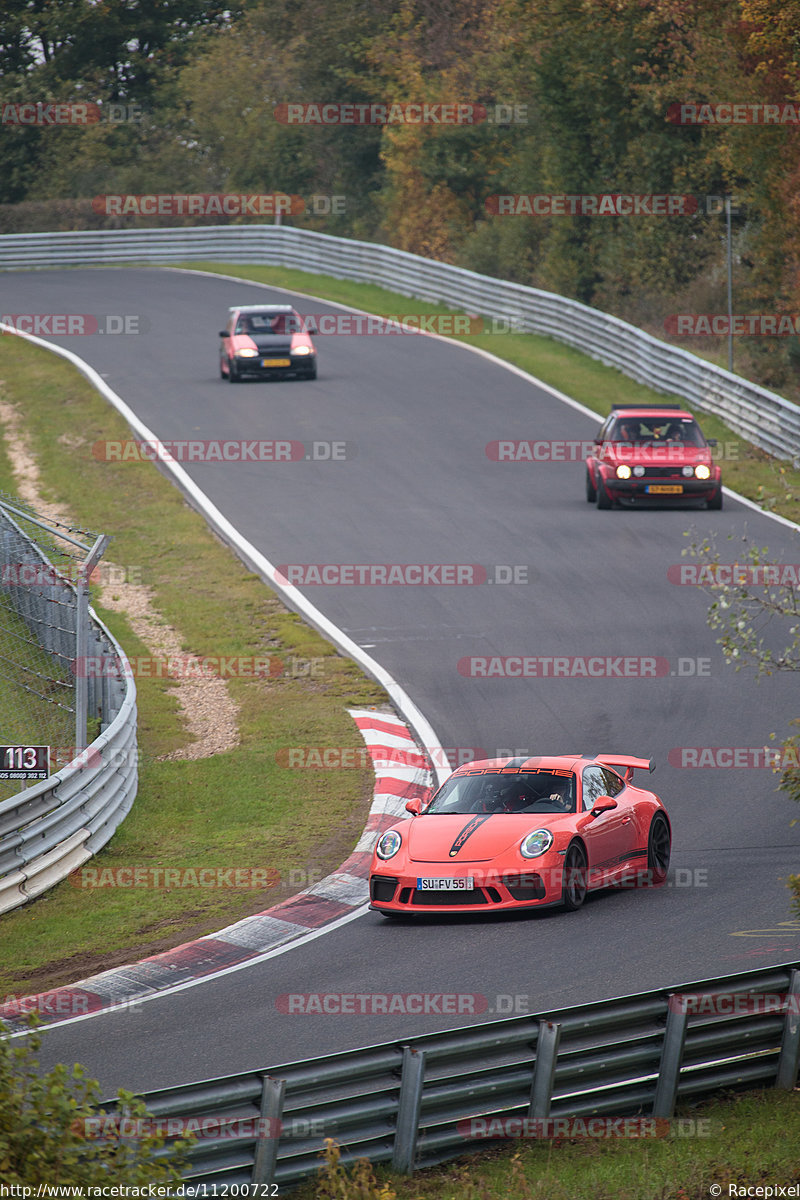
{"points": [[410, 1103], [763, 417], [50, 829]]}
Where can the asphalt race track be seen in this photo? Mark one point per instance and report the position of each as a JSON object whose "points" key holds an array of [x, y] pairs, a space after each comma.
{"points": [[418, 413]]}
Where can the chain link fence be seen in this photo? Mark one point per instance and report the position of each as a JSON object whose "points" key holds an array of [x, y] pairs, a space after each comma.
{"points": [[44, 696]]}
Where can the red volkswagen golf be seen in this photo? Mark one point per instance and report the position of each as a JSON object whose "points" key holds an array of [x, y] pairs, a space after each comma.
{"points": [[266, 341], [654, 454]]}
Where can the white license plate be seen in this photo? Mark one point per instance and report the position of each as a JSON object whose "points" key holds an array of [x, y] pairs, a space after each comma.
{"points": [[276, 362], [464, 884]]}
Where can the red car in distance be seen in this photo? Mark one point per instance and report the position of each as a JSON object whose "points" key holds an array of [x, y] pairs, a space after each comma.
{"points": [[523, 833], [652, 454], [266, 341]]}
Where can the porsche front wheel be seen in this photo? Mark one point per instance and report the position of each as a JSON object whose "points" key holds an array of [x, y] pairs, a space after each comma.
{"points": [[574, 886]]}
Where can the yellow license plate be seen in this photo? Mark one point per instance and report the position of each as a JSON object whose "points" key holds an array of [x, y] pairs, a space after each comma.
{"points": [[665, 489], [276, 362]]}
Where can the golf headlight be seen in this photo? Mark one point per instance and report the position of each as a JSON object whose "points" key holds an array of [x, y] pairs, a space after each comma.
{"points": [[687, 472], [536, 843], [623, 471], [247, 353], [388, 844], [302, 350], [638, 471], [702, 471]]}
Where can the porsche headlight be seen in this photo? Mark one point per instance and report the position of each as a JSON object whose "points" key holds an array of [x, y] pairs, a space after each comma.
{"points": [[702, 471], [536, 843], [302, 350], [623, 471], [247, 353], [388, 844]]}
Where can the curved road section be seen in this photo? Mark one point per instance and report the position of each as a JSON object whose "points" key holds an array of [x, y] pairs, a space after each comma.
{"points": [[395, 473]]}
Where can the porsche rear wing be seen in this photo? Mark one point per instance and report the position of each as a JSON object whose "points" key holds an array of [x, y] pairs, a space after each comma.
{"points": [[626, 764]]}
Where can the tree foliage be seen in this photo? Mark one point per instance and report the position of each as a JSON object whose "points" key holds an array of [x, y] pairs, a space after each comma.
{"points": [[45, 1119]]}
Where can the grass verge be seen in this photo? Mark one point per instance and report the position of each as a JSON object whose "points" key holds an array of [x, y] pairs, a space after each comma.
{"points": [[239, 809], [744, 1141]]}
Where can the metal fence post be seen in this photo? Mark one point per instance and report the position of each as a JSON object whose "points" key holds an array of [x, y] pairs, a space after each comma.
{"points": [[269, 1129], [408, 1109], [789, 1060], [82, 638], [669, 1069], [544, 1070]]}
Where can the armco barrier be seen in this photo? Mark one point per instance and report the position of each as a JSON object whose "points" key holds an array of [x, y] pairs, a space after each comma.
{"points": [[763, 417], [411, 1102], [51, 828]]}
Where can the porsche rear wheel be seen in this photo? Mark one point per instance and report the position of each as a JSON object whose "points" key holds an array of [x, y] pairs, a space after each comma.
{"points": [[659, 846], [574, 887], [591, 490]]}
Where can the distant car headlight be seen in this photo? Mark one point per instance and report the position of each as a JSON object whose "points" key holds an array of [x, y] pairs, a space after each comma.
{"points": [[623, 471], [688, 472], [388, 844], [536, 843], [638, 471], [302, 350], [702, 471], [247, 353]]}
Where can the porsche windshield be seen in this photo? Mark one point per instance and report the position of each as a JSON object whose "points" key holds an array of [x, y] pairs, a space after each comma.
{"points": [[499, 792]]}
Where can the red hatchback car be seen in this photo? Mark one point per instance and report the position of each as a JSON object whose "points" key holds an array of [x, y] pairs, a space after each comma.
{"points": [[523, 833], [654, 454], [266, 341]]}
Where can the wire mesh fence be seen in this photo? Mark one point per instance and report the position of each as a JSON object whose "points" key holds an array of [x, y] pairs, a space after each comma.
{"points": [[41, 561]]}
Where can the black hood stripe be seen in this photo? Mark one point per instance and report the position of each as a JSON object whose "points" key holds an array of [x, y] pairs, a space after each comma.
{"points": [[467, 832]]}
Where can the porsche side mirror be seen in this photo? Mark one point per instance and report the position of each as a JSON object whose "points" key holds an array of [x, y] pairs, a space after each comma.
{"points": [[414, 807], [311, 325], [603, 804], [224, 333]]}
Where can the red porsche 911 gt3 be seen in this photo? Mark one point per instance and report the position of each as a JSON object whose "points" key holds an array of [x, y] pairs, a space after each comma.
{"points": [[523, 833]]}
